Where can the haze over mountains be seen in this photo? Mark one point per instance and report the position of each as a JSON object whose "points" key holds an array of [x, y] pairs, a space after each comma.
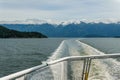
{"points": [[67, 29]]}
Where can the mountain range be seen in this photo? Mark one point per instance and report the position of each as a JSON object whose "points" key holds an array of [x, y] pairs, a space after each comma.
{"points": [[71, 29]]}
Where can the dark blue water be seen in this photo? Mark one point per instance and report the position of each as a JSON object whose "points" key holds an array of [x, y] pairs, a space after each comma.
{"points": [[19, 54]]}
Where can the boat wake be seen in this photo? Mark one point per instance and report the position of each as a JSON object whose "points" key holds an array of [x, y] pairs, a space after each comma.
{"points": [[101, 69], [105, 69]]}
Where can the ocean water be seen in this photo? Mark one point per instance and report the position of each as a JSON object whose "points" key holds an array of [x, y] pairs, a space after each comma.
{"points": [[106, 45], [19, 54]]}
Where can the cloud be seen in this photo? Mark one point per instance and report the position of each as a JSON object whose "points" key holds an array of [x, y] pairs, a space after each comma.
{"points": [[59, 9], [33, 4]]}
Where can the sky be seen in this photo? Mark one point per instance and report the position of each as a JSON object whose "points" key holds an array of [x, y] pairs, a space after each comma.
{"points": [[59, 9]]}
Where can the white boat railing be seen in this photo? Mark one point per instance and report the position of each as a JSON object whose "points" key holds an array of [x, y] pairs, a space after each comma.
{"points": [[86, 67], [85, 57]]}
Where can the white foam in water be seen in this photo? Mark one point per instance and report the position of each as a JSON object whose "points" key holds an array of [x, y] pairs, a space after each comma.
{"points": [[107, 69]]}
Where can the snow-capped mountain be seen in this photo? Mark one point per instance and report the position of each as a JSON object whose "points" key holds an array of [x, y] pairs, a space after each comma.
{"points": [[71, 28], [27, 21], [55, 22]]}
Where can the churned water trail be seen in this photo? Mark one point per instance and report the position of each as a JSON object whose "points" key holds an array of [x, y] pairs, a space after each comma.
{"points": [[106, 69]]}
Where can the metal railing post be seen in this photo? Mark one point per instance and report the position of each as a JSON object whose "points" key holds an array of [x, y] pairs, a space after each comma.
{"points": [[83, 69], [86, 68]]}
